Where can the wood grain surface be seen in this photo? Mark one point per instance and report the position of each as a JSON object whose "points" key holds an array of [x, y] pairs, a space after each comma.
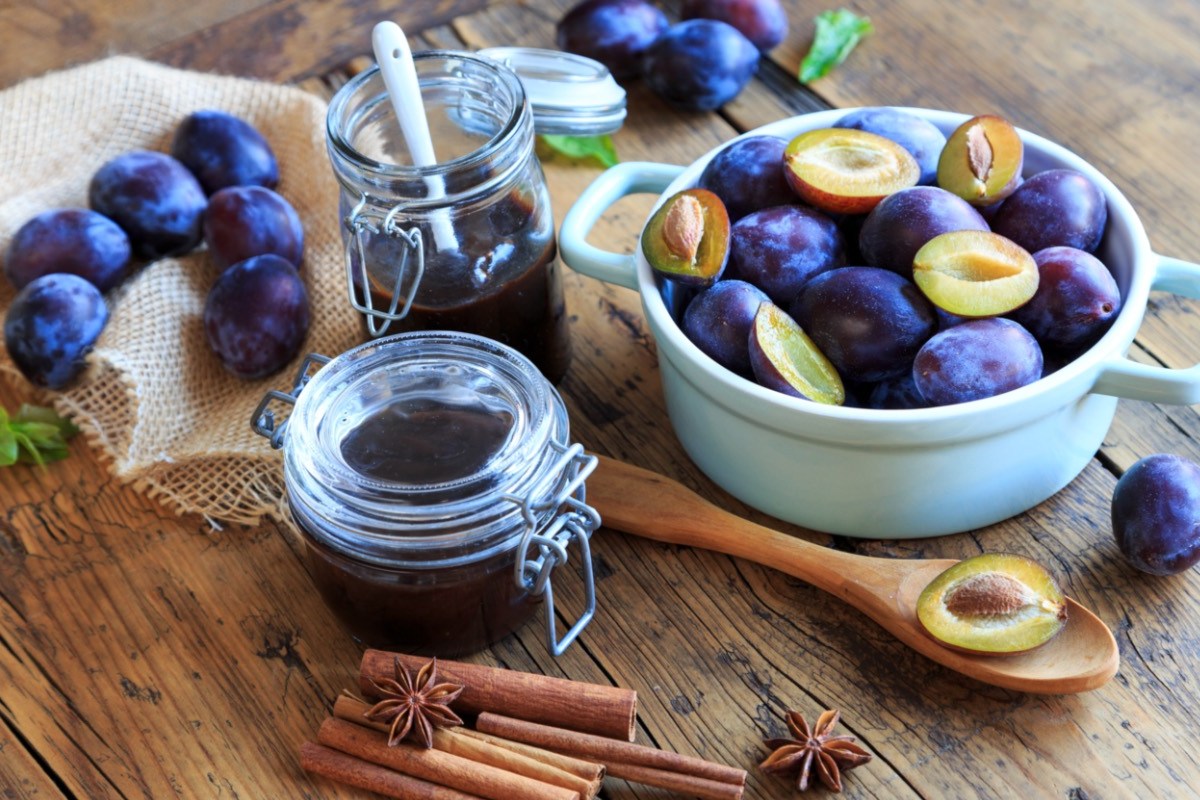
{"points": [[143, 655]]}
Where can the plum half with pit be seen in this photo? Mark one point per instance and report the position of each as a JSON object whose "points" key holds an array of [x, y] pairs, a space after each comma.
{"points": [[975, 273], [155, 200], [779, 249], [784, 358], [700, 64], [1054, 208], [982, 160], [73, 240], [246, 221], [1076, 299], [52, 325], [1156, 514], [975, 360], [614, 32], [903, 222], [747, 176], [687, 238], [847, 171], [719, 320], [256, 316], [915, 134], [868, 322], [224, 150], [763, 22]]}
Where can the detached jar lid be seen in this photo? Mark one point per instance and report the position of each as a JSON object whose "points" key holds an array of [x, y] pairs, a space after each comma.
{"points": [[569, 95]]}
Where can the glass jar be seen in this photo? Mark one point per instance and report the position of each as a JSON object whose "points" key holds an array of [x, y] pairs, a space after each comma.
{"points": [[466, 244], [433, 480]]}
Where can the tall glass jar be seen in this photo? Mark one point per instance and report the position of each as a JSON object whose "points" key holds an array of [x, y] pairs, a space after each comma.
{"points": [[433, 480], [466, 244]]}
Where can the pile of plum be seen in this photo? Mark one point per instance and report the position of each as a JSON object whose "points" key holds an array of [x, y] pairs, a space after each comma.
{"points": [[215, 187], [879, 264], [698, 64]]}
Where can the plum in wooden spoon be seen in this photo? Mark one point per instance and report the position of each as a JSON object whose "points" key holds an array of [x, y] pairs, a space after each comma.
{"points": [[847, 171]]}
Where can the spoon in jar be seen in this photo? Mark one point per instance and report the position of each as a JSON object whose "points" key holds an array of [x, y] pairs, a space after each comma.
{"points": [[1083, 656]]}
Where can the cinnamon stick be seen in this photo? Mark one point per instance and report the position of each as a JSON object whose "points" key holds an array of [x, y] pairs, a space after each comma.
{"points": [[678, 782], [606, 751], [540, 765], [589, 770], [360, 774], [436, 766], [585, 707]]}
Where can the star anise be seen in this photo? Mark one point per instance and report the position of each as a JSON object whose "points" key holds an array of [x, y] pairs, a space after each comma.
{"points": [[831, 754], [414, 706]]}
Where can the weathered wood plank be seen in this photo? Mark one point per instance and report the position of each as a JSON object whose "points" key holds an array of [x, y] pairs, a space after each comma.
{"points": [[21, 777]]}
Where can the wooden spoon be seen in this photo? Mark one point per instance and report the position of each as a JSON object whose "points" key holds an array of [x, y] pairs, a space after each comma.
{"points": [[1082, 657]]}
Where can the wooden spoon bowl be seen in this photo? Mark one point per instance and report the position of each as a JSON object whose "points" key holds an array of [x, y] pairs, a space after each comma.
{"points": [[636, 501]]}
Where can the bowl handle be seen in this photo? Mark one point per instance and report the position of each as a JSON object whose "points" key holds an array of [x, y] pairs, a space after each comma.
{"points": [[632, 177], [1121, 377]]}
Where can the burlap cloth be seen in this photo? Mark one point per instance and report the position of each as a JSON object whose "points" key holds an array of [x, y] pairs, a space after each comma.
{"points": [[155, 400]]}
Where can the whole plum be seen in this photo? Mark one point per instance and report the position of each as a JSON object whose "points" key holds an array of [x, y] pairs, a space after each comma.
{"points": [[246, 221], [915, 134], [977, 359], [256, 316], [1076, 299], [51, 327], [900, 392], [763, 22], [719, 321], [700, 64], [748, 175], [868, 321], [73, 240], [614, 32], [1156, 514], [1056, 207], [223, 150], [904, 222], [154, 199], [779, 249]]}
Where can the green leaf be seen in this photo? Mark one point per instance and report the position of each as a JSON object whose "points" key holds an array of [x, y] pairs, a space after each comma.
{"points": [[35, 435], [837, 34], [600, 148], [28, 413], [8, 446]]}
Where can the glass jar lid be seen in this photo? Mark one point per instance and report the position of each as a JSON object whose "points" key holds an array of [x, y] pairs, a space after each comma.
{"points": [[569, 94]]}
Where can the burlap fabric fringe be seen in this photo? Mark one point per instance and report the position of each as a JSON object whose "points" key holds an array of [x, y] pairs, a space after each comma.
{"points": [[156, 401]]}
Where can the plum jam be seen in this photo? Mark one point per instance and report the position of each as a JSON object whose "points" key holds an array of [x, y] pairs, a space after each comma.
{"points": [[466, 244], [433, 482]]}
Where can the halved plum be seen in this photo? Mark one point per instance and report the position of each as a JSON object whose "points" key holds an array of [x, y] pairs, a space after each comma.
{"points": [[982, 160], [975, 273], [847, 171], [687, 239], [786, 360], [993, 604]]}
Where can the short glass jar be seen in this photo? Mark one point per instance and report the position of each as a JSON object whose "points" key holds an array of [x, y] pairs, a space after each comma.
{"points": [[466, 244], [433, 480]]}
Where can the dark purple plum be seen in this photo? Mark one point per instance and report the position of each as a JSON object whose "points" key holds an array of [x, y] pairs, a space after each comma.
{"points": [[900, 392], [1156, 514], [1057, 207], [223, 150], [246, 221], [51, 327], [700, 64], [779, 249], [1076, 299], [72, 240], [869, 322], [948, 320], [748, 176], [256, 316], [977, 359], [763, 22], [904, 222], [614, 32], [719, 320], [154, 199], [915, 134]]}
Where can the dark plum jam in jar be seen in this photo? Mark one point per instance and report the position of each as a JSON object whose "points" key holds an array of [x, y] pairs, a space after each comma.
{"points": [[434, 484]]}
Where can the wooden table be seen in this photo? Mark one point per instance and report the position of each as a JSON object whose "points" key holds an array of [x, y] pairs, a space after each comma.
{"points": [[143, 655]]}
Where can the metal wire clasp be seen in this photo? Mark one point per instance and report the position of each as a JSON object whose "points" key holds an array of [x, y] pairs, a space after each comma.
{"points": [[576, 521], [263, 422], [364, 219]]}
